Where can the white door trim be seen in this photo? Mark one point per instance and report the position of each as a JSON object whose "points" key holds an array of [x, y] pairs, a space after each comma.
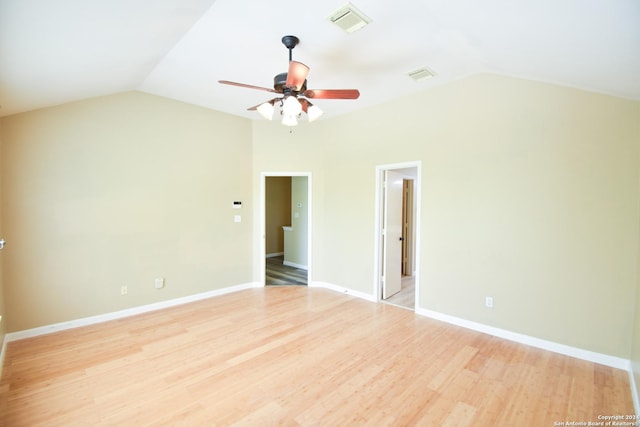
{"points": [[379, 206], [263, 212]]}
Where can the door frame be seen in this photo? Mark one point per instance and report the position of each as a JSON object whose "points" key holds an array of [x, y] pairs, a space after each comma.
{"points": [[379, 209], [263, 225]]}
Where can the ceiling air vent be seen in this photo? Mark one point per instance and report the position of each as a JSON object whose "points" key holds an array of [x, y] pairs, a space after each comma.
{"points": [[421, 74], [349, 18]]}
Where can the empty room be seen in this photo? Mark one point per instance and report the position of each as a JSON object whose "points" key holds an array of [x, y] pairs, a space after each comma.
{"points": [[457, 238]]}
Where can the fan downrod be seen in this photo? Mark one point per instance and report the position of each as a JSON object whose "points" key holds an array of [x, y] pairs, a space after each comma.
{"points": [[290, 42]]}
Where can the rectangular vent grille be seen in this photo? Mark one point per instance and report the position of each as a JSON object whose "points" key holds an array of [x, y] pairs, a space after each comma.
{"points": [[349, 18], [421, 74]]}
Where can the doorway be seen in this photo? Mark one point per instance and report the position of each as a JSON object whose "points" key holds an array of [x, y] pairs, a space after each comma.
{"points": [[397, 234], [286, 234]]}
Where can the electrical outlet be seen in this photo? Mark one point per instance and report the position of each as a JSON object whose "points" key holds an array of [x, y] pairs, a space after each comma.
{"points": [[159, 283], [488, 302], [124, 290]]}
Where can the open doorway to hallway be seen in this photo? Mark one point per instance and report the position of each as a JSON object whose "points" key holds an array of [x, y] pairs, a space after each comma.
{"points": [[397, 225], [286, 229]]}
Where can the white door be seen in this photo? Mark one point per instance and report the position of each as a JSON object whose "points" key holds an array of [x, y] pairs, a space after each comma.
{"points": [[392, 234]]}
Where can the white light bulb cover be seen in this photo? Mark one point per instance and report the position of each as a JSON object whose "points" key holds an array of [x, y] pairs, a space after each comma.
{"points": [[266, 110], [291, 106], [289, 120], [313, 112]]}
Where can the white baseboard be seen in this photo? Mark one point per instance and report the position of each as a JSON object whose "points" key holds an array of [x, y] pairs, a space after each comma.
{"points": [[57, 327], [293, 264], [603, 359], [275, 254], [342, 290]]}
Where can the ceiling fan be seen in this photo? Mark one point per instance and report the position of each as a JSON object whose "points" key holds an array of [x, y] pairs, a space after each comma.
{"points": [[292, 85]]}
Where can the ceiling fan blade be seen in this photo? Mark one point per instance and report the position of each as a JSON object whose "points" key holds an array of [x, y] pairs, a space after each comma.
{"points": [[227, 82], [296, 75], [255, 107], [332, 93]]}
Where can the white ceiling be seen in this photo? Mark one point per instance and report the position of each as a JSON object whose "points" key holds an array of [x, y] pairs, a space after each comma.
{"points": [[56, 51]]}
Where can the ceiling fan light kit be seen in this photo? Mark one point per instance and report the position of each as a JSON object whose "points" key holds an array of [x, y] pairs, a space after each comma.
{"points": [[291, 106], [266, 110], [289, 120], [292, 85], [313, 112]]}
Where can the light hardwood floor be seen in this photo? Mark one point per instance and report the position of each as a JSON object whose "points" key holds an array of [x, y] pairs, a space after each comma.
{"points": [[293, 355]]}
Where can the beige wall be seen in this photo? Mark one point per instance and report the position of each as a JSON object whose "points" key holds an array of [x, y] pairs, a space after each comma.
{"points": [[529, 195], [278, 212], [116, 191]]}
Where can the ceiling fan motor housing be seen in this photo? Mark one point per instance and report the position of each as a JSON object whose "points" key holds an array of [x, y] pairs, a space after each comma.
{"points": [[279, 83]]}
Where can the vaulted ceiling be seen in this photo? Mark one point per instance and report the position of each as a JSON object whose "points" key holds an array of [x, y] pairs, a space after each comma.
{"points": [[57, 51]]}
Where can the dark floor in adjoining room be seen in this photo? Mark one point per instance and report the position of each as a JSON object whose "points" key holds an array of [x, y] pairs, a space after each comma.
{"points": [[279, 274]]}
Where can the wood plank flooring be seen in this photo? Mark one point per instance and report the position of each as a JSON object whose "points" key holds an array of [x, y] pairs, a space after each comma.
{"points": [[296, 356], [279, 274]]}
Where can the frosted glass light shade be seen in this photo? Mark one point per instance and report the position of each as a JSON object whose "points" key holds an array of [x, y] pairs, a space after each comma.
{"points": [[313, 112], [266, 110], [291, 106], [289, 120]]}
